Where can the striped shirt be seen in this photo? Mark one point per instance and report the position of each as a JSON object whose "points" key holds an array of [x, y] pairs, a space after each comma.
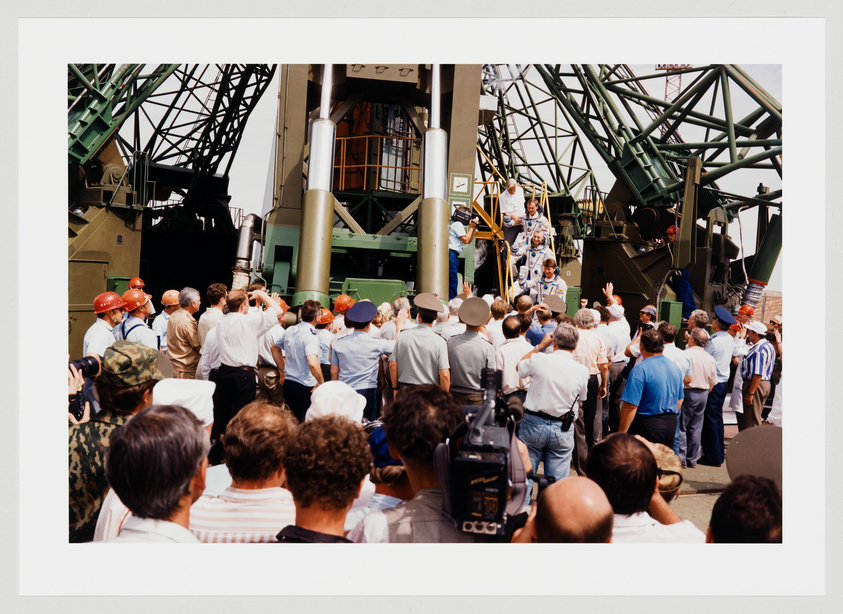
{"points": [[759, 361], [242, 516]]}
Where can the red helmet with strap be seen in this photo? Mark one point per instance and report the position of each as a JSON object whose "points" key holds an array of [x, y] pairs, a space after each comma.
{"points": [[325, 316], [107, 301], [136, 282], [747, 310], [343, 303], [135, 298]]}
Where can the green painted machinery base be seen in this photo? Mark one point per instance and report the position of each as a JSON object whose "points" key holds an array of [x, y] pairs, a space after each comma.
{"points": [[300, 297]]}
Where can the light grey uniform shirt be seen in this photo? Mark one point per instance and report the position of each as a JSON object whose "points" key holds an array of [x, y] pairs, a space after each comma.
{"points": [[419, 355], [468, 354]]}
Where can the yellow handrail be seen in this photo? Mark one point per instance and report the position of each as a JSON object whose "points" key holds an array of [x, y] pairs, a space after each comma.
{"points": [[343, 165]]}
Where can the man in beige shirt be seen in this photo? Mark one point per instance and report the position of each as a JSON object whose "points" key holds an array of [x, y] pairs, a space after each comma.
{"points": [[183, 335], [591, 352]]}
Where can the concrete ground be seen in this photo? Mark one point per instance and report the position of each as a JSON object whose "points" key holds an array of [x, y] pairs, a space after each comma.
{"points": [[701, 485]]}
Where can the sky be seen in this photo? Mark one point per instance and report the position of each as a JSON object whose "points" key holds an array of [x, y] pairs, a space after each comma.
{"points": [[251, 174]]}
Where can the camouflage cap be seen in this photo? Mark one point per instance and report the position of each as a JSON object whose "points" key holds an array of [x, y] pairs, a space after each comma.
{"points": [[127, 364], [671, 471]]}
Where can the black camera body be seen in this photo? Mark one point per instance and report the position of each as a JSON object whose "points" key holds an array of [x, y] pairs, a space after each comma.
{"points": [[461, 215], [88, 366], [477, 476]]}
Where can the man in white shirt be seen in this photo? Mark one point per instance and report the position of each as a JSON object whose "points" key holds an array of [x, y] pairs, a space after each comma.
{"points": [[703, 380], [498, 309], [98, 338], [156, 463], [512, 210], [134, 327], [170, 302], [551, 405], [510, 353], [625, 467], [216, 297], [255, 506], [237, 335]]}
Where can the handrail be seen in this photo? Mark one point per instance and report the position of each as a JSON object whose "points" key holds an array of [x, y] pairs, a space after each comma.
{"points": [[344, 165]]}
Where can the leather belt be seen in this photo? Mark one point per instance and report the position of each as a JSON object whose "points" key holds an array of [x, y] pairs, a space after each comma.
{"points": [[541, 414], [247, 368]]}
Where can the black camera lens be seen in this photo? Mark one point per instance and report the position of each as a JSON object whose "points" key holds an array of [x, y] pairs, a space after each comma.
{"points": [[87, 366]]}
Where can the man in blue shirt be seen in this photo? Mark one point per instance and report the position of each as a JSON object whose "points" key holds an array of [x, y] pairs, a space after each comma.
{"points": [[720, 346], [458, 237], [653, 394], [355, 357], [546, 324], [298, 366]]}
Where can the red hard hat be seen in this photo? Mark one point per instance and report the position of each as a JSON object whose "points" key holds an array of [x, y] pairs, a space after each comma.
{"points": [[283, 304], [107, 301], [170, 298], [135, 298], [325, 316], [136, 282], [343, 303], [618, 299], [671, 230], [747, 310]]}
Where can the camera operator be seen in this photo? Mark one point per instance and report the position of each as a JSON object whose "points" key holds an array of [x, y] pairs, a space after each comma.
{"points": [[458, 237], [420, 419]]}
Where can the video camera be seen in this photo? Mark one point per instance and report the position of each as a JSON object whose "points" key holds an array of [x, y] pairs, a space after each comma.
{"points": [[464, 216], [479, 466]]}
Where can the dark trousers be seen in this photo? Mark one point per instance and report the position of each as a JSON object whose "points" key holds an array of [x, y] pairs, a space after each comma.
{"points": [[587, 426], [235, 388], [712, 439], [660, 428], [612, 402], [297, 397], [371, 411]]}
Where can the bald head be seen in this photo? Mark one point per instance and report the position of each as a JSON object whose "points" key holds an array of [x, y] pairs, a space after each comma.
{"points": [[574, 510]]}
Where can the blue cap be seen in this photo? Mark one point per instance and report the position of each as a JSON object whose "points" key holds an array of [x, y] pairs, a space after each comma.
{"points": [[723, 314], [380, 449], [362, 312]]}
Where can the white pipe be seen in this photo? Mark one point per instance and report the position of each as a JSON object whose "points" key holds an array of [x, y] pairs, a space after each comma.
{"points": [[434, 97], [327, 78]]}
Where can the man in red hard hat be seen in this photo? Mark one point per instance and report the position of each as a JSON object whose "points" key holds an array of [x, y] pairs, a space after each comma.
{"points": [[108, 307], [136, 282], [341, 305], [170, 302], [134, 327]]}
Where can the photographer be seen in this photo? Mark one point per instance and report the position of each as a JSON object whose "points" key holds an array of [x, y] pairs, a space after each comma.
{"points": [[78, 409], [129, 371], [458, 237]]}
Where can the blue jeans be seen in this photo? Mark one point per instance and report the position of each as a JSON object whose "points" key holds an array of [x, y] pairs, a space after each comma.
{"points": [[453, 277], [546, 441]]}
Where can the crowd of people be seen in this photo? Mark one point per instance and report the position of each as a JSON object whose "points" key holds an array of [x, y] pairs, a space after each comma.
{"points": [[238, 428]]}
